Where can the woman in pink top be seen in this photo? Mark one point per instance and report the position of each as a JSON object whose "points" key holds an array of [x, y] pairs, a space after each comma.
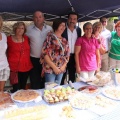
{"points": [[97, 28], [87, 55]]}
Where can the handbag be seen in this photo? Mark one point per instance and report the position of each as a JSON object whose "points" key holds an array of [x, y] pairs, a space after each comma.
{"points": [[13, 77], [14, 74]]}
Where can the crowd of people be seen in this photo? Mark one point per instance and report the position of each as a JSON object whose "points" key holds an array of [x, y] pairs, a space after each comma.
{"points": [[48, 54]]}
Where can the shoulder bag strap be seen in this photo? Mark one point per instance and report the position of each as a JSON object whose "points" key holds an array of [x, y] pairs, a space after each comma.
{"points": [[59, 43]]}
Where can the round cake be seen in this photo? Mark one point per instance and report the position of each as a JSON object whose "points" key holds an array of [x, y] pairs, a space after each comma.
{"points": [[25, 95]]}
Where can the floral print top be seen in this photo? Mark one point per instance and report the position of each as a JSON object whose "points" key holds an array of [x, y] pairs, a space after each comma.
{"points": [[58, 55]]}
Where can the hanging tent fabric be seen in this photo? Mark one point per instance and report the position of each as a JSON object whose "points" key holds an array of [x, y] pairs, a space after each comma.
{"points": [[87, 9]]}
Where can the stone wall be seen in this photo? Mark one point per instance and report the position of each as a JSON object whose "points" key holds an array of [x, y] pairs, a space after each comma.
{"points": [[7, 25], [110, 25]]}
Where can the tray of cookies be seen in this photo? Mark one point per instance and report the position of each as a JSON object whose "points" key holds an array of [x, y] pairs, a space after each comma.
{"points": [[53, 96]]}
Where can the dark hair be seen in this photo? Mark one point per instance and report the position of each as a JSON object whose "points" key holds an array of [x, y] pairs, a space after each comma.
{"points": [[56, 24], [87, 23], [102, 18], [73, 13]]}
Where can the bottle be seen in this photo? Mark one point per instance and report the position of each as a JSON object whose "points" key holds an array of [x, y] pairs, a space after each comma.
{"points": [[71, 84]]}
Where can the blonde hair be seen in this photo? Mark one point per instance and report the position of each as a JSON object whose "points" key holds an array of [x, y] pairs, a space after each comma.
{"points": [[16, 25], [96, 24], [1, 22]]}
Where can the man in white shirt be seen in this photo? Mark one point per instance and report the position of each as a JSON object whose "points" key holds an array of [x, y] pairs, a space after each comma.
{"points": [[37, 34], [71, 33], [107, 35]]}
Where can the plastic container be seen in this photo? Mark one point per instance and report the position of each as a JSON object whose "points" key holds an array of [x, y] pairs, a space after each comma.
{"points": [[115, 75], [50, 85]]}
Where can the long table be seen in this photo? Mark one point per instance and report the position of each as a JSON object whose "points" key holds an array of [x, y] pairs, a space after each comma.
{"points": [[83, 114]]}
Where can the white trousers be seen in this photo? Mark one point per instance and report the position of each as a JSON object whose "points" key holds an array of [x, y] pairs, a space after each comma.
{"points": [[87, 74]]}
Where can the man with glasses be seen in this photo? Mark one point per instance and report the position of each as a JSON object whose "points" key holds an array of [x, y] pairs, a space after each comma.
{"points": [[107, 35]]}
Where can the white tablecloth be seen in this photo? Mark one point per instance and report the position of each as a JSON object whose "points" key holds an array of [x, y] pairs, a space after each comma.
{"points": [[113, 114]]}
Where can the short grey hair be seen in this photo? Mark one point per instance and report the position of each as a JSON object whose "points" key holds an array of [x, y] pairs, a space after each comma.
{"points": [[39, 12]]}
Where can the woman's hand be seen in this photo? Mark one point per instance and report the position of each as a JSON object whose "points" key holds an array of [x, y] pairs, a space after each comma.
{"points": [[99, 41], [93, 35], [102, 50], [56, 70], [62, 68], [78, 70], [98, 69]]}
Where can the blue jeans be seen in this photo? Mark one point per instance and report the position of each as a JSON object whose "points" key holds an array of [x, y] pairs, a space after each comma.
{"points": [[51, 77]]}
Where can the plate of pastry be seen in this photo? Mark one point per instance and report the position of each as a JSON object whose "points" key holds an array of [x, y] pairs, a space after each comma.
{"points": [[89, 89], [112, 92], [81, 101], [100, 79], [6, 101], [25, 95]]}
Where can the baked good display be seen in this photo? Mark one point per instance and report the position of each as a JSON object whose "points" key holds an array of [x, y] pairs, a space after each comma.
{"points": [[112, 92], [81, 101], [100, 79], [58, 95], [67, 112], [89, 89], [50, 85], [5, 100], [25, 95], [30, 113], [4, 95], [103, 101]]}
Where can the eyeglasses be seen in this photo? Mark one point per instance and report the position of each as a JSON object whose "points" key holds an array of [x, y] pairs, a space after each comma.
{"points": [[97, 27]]}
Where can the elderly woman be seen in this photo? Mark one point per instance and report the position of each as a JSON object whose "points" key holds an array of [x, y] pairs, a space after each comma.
{"points": [[114, 53], [4, 67], [97, 28], [87, 56], [19, 55], [55, 52]]}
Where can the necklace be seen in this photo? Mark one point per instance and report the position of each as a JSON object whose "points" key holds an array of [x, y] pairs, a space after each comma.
{"points": [[18, 40]]}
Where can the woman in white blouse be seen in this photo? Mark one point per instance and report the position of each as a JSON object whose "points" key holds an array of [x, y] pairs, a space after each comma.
{"points": [[4, 67]]}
